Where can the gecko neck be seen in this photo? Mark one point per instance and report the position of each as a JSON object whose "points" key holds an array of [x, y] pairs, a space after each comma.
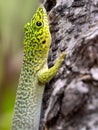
{"points": [[34, 58], [28, 99]]}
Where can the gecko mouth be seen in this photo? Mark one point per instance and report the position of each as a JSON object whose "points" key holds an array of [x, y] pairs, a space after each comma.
{"points": [[45, 16]]}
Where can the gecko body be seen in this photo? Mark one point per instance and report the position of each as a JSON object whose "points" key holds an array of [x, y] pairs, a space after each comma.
{"points": [[34, 72]]}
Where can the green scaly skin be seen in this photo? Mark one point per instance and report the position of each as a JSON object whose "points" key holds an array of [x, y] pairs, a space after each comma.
{"points": [[34, 72]]}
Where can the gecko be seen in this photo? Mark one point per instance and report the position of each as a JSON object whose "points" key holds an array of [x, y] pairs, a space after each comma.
{"points": [[34, 72]]}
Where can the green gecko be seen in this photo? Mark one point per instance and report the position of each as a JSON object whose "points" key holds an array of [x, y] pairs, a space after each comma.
{"points": [[34, 72]]}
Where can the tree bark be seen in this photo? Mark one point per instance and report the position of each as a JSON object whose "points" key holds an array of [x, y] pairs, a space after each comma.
{"points": [[71, 99]]}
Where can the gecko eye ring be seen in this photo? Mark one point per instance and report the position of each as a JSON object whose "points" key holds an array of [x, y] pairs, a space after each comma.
{"points": [[38, 23]]}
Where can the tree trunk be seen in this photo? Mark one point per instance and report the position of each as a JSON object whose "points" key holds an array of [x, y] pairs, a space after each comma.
{"points": [[71, 99]]}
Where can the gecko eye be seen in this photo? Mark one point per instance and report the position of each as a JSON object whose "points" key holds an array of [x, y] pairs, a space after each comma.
{"points": [[38, 23]]}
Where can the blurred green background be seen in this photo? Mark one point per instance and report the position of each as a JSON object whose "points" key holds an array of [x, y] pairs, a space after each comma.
{"points": [[13, 15]]}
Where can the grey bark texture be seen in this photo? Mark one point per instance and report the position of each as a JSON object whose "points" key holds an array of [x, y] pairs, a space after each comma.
{"points": [[71, 99]]}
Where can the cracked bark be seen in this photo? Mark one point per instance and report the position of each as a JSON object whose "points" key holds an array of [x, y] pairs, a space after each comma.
{"points": [[71, 99]]}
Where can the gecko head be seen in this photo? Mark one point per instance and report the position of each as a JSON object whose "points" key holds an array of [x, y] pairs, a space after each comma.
{"points": [[37, 34]]}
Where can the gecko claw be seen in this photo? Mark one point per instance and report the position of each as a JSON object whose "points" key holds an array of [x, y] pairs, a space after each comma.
{"points": [[63, 54]]}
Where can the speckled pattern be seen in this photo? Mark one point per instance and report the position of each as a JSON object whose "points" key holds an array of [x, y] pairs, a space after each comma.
{"points": [[34, 72]]}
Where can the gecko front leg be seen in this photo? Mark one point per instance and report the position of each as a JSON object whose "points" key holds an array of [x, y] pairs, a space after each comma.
{"points": [[46, 75]]}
